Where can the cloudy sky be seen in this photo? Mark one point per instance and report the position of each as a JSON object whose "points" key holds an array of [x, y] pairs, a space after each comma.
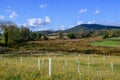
{"points": [[59, 14]]}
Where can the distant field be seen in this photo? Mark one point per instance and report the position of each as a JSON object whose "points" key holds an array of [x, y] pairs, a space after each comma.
{"points": [[110, 42], [89, 67]]}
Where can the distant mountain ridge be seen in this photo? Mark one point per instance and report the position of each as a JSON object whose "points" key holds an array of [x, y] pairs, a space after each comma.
{"points": [[91, 27], [83, 27]]}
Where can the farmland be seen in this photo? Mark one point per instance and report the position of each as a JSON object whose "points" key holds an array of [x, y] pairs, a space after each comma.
{"points": [[63, 67]]}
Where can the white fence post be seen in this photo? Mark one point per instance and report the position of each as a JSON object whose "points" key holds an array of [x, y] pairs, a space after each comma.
{"points": [[111, 66], [39, 64], [50, 67], [78, 67]]}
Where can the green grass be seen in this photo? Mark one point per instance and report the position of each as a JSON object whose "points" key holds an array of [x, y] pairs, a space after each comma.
{"points": [[110, 42], [11, 68]]}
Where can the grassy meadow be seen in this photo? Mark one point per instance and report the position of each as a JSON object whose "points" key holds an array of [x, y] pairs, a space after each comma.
{"points": [[110, 42], [85, 46], [64, 67]]}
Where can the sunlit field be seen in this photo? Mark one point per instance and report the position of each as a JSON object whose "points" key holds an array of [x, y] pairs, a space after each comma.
{"points": [[110, 42], [62, 67]]}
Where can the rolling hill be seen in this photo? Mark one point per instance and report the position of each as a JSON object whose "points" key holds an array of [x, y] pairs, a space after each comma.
{"points": [[90, 27], [83, 27]]}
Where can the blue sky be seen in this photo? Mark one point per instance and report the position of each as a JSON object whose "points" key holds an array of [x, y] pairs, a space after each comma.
{"points": [[60, 14]]}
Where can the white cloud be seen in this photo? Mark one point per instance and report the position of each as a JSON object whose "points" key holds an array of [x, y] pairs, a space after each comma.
{"points": [[13, 15], [97, 12], [38, 21], [47, 19], [83, 11], [79, 22], [2, 17], [62, 27], [91, 22], [43, 5]]}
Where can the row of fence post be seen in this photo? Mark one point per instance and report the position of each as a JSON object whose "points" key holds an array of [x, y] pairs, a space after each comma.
{"points": [[66, 63]]}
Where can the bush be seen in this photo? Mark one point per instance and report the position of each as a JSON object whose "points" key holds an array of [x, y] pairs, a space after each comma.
{"points": [[93, 51], [3, 50], [45, 37], [71, 35]]}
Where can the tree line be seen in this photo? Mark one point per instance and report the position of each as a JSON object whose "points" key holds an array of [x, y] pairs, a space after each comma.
{"points": [[85, 34], [12, 34]]}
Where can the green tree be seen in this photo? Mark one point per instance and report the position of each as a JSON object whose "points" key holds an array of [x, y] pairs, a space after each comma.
{"points": [[25, 34], [13, 33], [38, 36], [32, 35], [61, 35], [116, 33], [106, 34], [5, 36], [45, 37], [71, 35]]}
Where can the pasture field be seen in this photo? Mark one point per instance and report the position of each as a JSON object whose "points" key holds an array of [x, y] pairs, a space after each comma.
{"points": [[110, 42], [63, 67]]}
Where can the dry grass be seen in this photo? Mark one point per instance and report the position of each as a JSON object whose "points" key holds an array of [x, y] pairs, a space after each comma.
{"points": [[75, 45], [11, 68]]}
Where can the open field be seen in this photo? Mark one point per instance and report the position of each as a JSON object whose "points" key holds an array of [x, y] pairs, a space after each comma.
{"points": [[71, 46], [110, 42], [64, 67], [83, 46]]}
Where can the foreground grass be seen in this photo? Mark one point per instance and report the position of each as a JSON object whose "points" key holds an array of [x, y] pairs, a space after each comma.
{"points": [[92, 67]]}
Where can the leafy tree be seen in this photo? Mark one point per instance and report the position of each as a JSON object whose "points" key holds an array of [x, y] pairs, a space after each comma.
{"points": [[5, 36], [71, 35], [24, 34], [32, 35], [116, 33], [86, 33], [13, 33], [45, 37], [38, 36], [60, 35], [106, 35]]}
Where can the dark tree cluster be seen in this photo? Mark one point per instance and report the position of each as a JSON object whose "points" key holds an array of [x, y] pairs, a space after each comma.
{"points": [[11, 34], [111, 33]]}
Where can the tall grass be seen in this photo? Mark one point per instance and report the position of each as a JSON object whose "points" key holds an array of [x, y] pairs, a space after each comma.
{"points": [[12, 69]]}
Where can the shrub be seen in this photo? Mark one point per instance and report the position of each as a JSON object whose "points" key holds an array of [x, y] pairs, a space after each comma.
{"points": [[71, 35], [93, 51]]}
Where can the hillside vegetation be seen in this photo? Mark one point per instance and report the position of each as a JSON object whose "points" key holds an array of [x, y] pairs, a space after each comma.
{"points": [[72, 46]]}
